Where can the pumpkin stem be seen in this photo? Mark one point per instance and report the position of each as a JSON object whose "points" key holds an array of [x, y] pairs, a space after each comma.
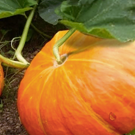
{"points": [[18, 52], [59, 43]]}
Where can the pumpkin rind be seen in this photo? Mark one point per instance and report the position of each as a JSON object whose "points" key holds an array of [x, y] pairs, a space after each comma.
{"points": [[1, 79], [91, 93]]}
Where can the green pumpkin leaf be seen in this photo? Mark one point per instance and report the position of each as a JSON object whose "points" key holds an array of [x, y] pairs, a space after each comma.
{"points": [[47, 10], [102, 18], [14, 7]]}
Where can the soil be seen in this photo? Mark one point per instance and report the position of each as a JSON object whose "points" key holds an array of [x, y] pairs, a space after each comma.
{"points": [[10, 123]]}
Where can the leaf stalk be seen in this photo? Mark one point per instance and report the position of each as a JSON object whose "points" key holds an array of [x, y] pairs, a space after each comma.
{"points": [[12, 63], [21, 63], [18, 52]]}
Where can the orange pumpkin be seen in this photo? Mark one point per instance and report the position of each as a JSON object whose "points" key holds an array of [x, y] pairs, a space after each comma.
{"points": [[1, 79], [91, 93]]}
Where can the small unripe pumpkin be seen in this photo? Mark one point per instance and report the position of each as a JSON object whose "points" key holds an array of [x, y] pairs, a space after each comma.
{"points": [[91, 93], [1, 79]]}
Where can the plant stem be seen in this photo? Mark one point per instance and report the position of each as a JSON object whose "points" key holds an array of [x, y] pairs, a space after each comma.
{"points": [[13, 63], [13, 41], [60, 42], [42, 33], [19, 49], [36, 29]]}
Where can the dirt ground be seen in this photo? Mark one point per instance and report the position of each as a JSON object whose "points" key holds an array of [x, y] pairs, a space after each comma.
{"points": [[9, 118]]}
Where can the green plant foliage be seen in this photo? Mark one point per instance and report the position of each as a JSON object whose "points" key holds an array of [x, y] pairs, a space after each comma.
{"points": [[106, 19], [47, 10], [131, 133], [14, 7], [1, 106]]}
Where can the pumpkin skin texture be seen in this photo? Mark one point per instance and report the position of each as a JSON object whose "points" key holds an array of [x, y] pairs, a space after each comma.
{"points": [[1, 79], [91, 93]]}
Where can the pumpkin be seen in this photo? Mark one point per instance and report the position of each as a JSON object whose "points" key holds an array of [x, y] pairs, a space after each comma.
{"points": [[91, 93], [1, 79]]}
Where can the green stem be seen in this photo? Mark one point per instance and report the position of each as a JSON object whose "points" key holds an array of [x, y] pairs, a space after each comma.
{"points": [[12, 63], [36, 29], [19, 49], [60, 42], [13, 41], [42, 33]]}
